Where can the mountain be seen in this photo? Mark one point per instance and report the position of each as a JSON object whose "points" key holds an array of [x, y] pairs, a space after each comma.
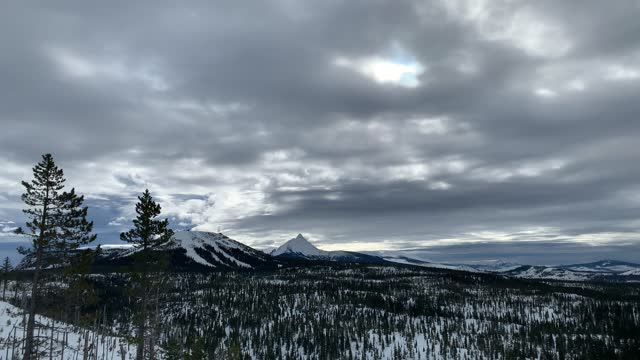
{"points": [[603, 270], [405, 260], [197, 250], [496, 266], [300, 248], [538, 272], [604, 266], [207, 251]]}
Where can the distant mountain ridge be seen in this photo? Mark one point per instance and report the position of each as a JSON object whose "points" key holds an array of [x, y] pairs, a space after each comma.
{"points": [[208, 251], [603, 266], [603, 270]]}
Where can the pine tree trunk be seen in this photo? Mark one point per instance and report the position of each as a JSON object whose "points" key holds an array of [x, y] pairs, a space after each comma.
{"points": [[85, 353], [28, 351], [51, 342], [15, 342], [64, 343], [36, 278], [143, 318]]}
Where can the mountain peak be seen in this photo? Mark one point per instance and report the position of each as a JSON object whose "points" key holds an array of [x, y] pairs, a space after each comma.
{"points": [[298, 245]]}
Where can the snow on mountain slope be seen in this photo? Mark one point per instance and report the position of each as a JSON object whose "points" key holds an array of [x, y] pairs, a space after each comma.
{"points": [[548, 272], [604, 270], [635, 272], [216, 250], [412, 257], [604, 266], [196, 250], [409, 261], [300, 246], [496, 266]]}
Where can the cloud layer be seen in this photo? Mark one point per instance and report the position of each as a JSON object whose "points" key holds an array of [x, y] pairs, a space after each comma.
{"points": [[366, 124]]}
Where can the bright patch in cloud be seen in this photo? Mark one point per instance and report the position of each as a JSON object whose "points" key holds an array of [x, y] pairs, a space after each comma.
{"points": [[619, 72], [577, 85], [399, 70], [544, 92]]}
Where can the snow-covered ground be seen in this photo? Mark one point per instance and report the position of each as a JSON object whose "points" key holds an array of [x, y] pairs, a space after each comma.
{"points": [[67, 343]]}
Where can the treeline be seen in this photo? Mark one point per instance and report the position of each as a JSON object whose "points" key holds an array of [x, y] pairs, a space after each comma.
{"points": [[381, 313]]}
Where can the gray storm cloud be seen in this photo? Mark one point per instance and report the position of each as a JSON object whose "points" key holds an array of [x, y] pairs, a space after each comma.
{"points": [[385, 123]]}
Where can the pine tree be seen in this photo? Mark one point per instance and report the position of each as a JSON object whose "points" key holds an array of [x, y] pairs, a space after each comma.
{"points": [[147, 233], [234, 352], [57, 222], [197, 350], [172, 350], [6, 268]]}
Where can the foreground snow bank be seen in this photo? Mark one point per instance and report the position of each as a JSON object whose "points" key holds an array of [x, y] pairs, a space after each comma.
{"points": [[57, 340]]}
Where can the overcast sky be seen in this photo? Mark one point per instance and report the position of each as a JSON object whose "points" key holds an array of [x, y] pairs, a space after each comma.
{"points": [[362, 124]]}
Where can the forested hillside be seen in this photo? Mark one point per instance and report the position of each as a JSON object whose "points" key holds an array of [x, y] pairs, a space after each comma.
{"points": [[371, 312]]}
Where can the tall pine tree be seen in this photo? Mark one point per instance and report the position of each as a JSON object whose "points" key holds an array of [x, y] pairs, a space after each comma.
{"points": [[6, 268], [57, 223], [147, 234]]}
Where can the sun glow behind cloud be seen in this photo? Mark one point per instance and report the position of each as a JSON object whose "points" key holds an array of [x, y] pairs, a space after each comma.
{"points": [[398, 70]]}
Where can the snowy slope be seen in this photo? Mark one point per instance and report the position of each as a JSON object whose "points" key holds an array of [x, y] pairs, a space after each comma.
{"points": [[12, 328], [410, 261], [549, 273], [300, 246], [635, 272], [196, 250], [604, 266], [412, 257], [496, 266], [604, 270], [215, 250]]}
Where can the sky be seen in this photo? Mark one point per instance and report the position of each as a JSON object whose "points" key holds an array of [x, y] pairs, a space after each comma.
{"points": [[499, 127]]}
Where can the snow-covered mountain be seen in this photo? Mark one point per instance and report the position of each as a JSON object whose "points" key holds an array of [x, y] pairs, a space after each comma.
{"points": [[217, 250], [548, 273], [604, 266], [399, 259], [205, 251], [604, 270], [198, 250], [417, 257], [300, 248], [496, 266]]}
